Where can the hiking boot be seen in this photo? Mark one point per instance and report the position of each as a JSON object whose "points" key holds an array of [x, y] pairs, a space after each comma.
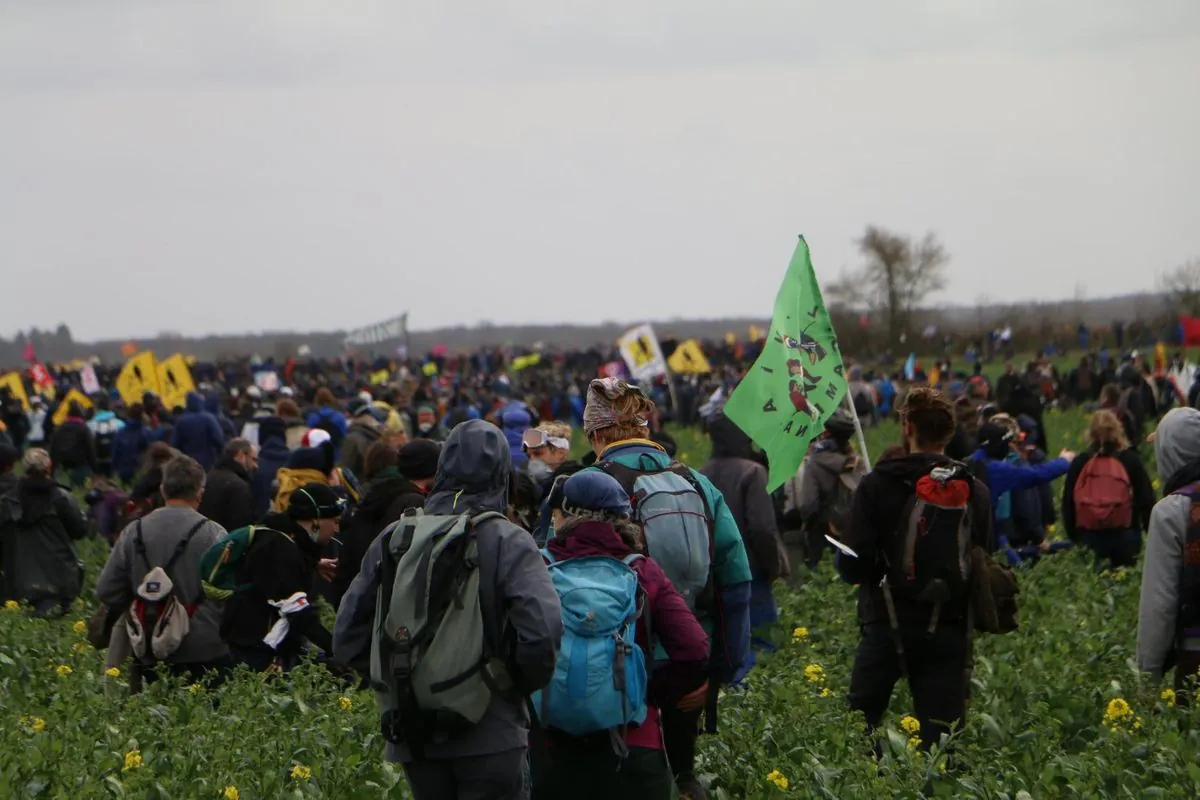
{"points": [[690, 788]]}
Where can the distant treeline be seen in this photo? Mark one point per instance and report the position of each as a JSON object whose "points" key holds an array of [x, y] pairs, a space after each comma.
{"points": [[1145, 318]]}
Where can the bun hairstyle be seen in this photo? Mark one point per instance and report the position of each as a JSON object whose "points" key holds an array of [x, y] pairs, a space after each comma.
{"points": [[931, 415]]}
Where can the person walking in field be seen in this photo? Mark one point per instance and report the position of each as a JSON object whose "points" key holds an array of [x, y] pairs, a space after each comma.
{"points": [[228, 497], [916, 627], [1107, 497]]}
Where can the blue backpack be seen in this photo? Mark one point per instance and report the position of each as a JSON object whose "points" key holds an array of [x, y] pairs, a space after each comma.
{"points": [[600, 680]]}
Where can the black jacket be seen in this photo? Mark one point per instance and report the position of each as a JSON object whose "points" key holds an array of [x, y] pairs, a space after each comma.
{"points": [[1143, 490], [73, 446], [228, 499], [38, 521], [281, 561], [743, 482], [359, 438], [386, 499], [877, 511]]}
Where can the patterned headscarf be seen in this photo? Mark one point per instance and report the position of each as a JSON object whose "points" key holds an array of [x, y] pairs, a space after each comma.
{"points": [[599, 413]]}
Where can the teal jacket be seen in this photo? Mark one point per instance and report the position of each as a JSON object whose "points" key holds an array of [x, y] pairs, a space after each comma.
{"points": [[731, 569]]}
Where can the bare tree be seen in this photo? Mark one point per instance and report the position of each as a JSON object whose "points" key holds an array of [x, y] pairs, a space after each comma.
{"points": [[1181, 287], [899, 275]]}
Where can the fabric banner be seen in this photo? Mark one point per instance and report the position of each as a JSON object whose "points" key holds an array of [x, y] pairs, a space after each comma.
{"points": [[175, 380], [138, 376], [16, 387], [74, 396], [395, 328], [689, 359], [798, 380]]}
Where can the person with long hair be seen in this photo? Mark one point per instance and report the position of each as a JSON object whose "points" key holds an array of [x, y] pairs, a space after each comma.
{"points": [[913, 630], [1107, 497]]}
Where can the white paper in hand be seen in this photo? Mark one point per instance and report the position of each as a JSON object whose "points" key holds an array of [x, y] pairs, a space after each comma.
{"points": [[841, 547]]}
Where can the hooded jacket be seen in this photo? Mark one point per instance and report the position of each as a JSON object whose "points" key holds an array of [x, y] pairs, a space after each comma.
{"points": [[359, 437], [227, 499], [730, 640], [818, 486], [129, 446], [515, 419], [875, 516], [665, 614], [273, 455], [1177, 451], [387, 497], [515, 592], [38, 521], [212, 404], [742, 481], [1005, 476], [198, 434], [280, 562], [72, 445]]}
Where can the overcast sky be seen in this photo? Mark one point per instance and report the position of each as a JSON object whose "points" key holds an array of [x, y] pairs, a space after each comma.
{"points": [[263, 164]]}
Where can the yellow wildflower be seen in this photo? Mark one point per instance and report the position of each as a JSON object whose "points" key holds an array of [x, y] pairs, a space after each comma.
{"points": [[196, 688], [1119, 574], [112, 672], [37, 725], [1157, 484], [1168, 695], [301, 773], [11, 605], [79, 627], [814, 673], [79, 647], [231, 793], [826, 692], [799, 635], [345, 703], [1119, 715], [910, 725], [133, 760], [62, 670], [779, 779], [914, 742]]}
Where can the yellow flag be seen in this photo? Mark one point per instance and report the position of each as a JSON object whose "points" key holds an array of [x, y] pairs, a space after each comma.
{"points": [[138, 376], [12, 381], [523, 362], [1160, 357], [755, 333], [175, 380], [688, 358], [379, 377], [73, 396], [935, 377], [430, 369], [730, 338]]}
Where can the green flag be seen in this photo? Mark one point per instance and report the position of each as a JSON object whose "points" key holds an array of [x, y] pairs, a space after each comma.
{"points": [[798, 380]]}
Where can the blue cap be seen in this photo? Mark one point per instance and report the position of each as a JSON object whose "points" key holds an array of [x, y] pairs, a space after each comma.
{"points": [[595, 491]]}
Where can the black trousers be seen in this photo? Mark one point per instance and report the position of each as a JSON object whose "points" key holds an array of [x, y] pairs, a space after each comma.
{"points": [[939, 674], [499, 776], [598, 774], [680, 730]]}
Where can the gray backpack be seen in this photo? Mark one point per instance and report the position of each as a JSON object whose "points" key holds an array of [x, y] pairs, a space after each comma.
{"points": [[431, 667]]}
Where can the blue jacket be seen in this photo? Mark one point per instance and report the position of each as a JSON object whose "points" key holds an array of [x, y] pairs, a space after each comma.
{"points": [[128, 446], [198, 434], [272, 456], [515, 420], [212, 404], [1004, 477]]}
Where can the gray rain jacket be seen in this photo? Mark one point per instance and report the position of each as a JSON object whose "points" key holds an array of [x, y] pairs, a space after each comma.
{"points": [[1176, 446], [521, 612]]}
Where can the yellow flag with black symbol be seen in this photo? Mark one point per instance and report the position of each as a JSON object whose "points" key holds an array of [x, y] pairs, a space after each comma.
{"points": [[74, 396], [688, 359], [16, 387], [138, 376], [379, 377], [175, 380]]}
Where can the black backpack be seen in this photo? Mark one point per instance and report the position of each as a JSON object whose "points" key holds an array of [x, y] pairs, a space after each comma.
{"points": [[929, 562]]}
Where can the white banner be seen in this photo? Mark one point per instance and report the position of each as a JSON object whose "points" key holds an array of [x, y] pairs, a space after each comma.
{"points": [[395, 328], [639, 347], [87, 377]]}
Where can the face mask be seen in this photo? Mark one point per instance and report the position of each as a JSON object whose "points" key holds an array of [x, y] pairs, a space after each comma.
{"points": [[539, 470], [314, 534]]}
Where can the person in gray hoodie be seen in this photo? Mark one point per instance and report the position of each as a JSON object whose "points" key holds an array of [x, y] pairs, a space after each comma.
{"points": [[522, 621], [151, 542], [832, 474], [1165, 635]]}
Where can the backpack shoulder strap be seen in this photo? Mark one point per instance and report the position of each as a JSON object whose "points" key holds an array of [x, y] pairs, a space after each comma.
{"points": [[181, 548], [626, 476], [139, 545]]}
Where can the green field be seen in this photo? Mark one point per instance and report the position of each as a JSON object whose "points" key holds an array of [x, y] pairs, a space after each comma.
{"points": [[1037, 727]]}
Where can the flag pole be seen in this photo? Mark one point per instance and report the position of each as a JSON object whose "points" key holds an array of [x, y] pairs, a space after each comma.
{"points": [[862, 439]]}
